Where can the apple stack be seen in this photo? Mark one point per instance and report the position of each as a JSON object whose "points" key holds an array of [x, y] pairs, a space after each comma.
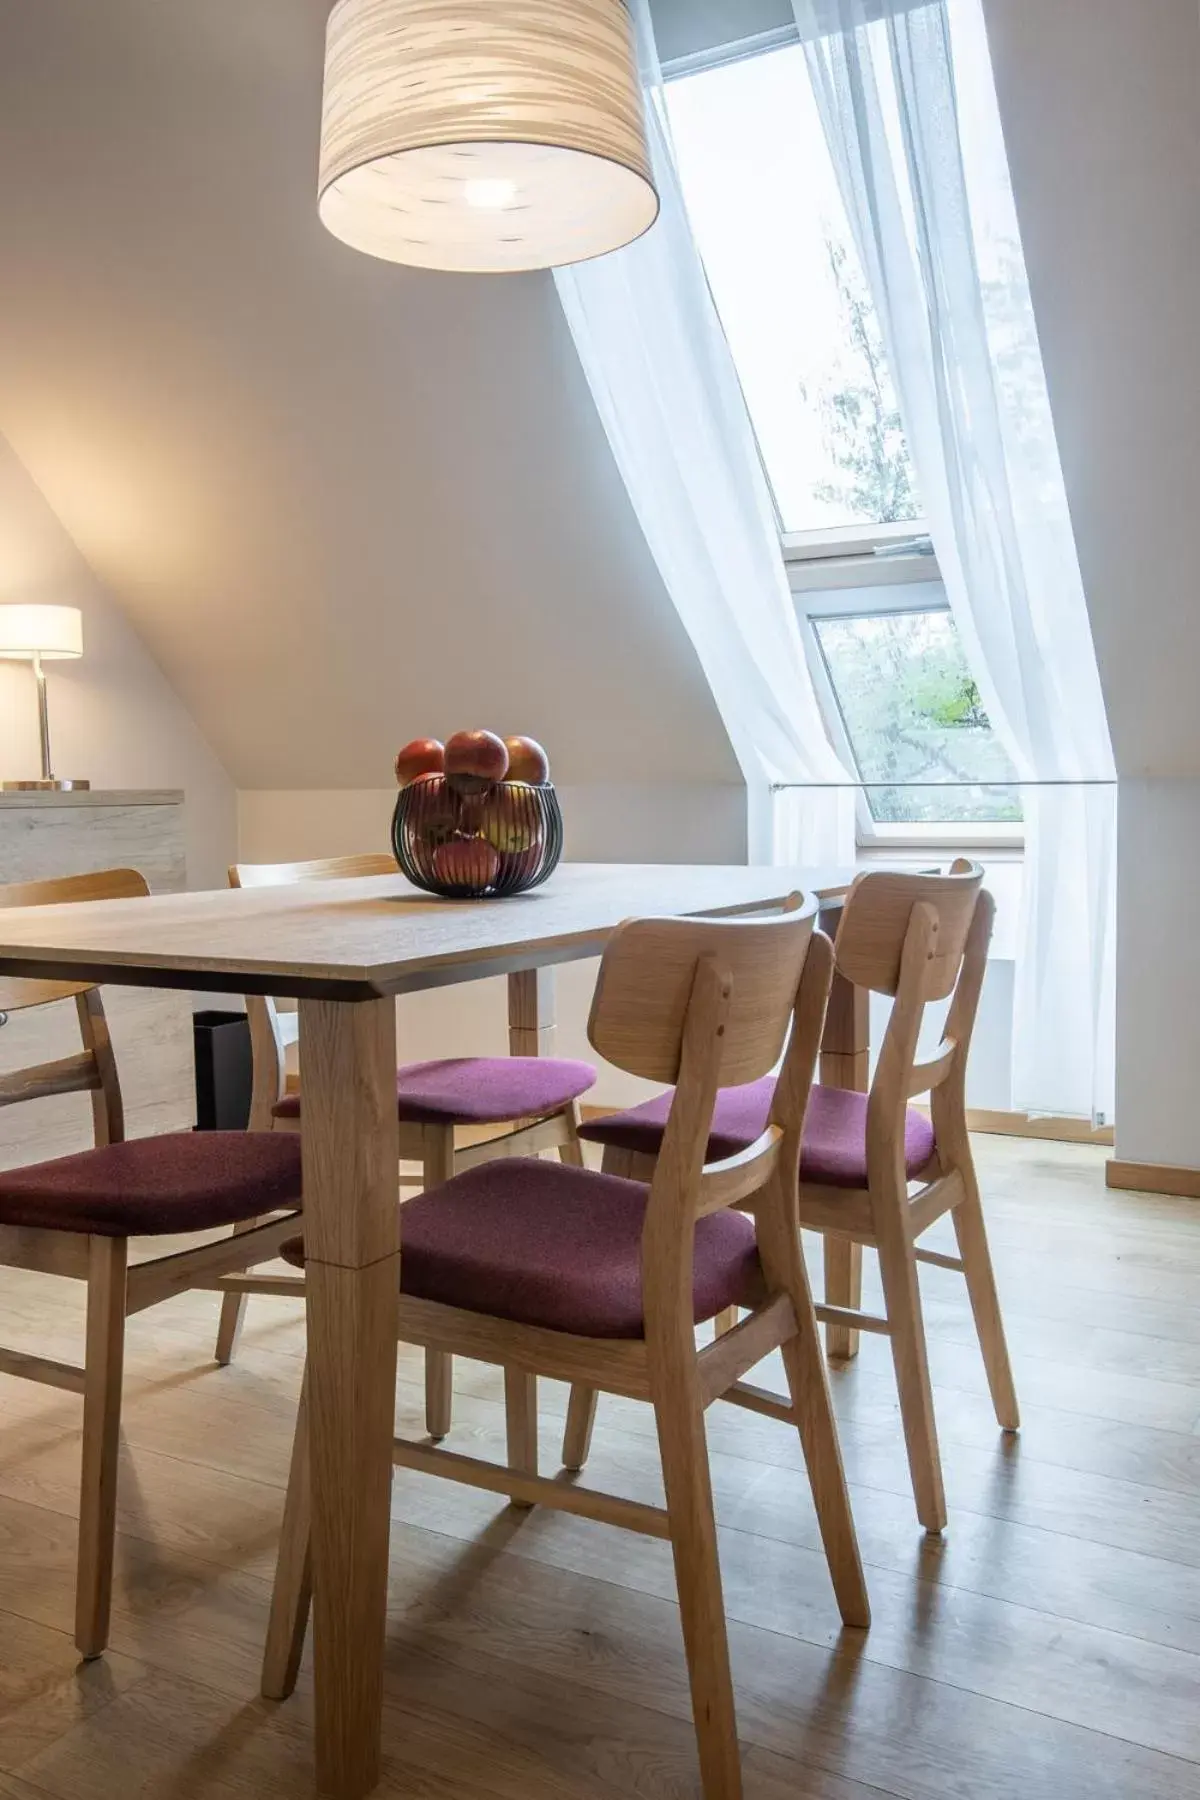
{"points": [[477, 817]]}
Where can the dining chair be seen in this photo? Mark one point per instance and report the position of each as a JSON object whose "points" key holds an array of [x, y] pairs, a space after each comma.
{"points": [[875, 1171], [75, 1216], [445, 1111], [570, 1273]]}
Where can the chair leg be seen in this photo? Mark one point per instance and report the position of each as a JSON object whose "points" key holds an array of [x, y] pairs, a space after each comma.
{"points": [[291, 1596], [521, 1422], [581, 1408], [439, 1389], [808, 1389], [902, 1299], [572, 1151], [107, 1265], [437, 1166], [684, 1450], [782, 1257], [581, 1418], [843, 1287], [233, 1310], [725, 1321], [985, 1305]]}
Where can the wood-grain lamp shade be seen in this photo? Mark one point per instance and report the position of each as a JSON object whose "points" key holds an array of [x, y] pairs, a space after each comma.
{"points": [[484, 136]]}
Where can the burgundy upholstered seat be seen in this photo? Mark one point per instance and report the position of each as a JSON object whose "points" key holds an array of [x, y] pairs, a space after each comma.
{"points": [[739, 1118], [181, 1181], [834, 1152], [542, 1244], [479, 1090]]}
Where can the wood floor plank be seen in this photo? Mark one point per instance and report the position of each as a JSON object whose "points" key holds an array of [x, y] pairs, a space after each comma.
{"points": [[1020, 1639], [1048, 1648], [513, 1727], [167, 1737], [840, 1712], [13, 1788], [45, 1691]]}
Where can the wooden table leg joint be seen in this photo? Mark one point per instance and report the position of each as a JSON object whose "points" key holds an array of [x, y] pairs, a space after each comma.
{"points": [[351, 1221], [845, 1063]]}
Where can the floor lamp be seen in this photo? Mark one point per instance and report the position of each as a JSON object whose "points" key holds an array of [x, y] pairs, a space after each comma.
{"points": [[37, 635]]}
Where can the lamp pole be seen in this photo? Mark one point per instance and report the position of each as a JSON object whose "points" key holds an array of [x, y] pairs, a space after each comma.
{"points": [[43, 718], [48, 780], [36, 635]]}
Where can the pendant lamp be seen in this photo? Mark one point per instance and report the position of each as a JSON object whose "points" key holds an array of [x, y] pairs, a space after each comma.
{"points": [[484, 136]]}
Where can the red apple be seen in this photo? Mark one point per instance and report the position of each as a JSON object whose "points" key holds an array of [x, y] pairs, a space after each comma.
{"points": [[475, 759], [424, 756], [432, 810], [467, 863], [527, 761]]}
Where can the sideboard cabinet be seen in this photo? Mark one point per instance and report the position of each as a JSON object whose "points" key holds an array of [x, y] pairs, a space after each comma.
{"points": [[47, 834]]}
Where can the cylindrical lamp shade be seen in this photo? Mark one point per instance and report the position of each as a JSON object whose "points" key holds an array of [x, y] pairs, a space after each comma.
{"points": [[484, 136], [51, 632]]}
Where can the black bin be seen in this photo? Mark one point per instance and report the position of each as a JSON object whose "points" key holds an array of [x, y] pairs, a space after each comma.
{"points": [[224, 1071]]}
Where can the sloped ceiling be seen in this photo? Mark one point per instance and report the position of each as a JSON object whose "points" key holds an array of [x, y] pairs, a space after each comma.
{"points": [[1101, 108], [343, 503]]}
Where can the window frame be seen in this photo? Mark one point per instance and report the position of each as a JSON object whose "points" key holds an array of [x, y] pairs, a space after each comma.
{"points": [[908, 539], [833, 589], [827, 569]]}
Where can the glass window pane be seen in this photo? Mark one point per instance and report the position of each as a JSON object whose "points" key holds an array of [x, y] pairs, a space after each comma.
{"points": [[769, 220], [912, 713]]}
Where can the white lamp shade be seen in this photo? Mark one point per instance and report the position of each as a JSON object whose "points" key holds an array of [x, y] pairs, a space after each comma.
{"points": [[484, 136], [51, 632]]}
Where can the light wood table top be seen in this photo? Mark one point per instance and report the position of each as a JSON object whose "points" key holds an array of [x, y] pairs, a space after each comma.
{"points": [[343, 949], [356, 940]]}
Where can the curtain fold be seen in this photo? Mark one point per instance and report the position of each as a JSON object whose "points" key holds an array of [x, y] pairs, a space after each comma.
{"points": [[660, 370], [910, 117]]}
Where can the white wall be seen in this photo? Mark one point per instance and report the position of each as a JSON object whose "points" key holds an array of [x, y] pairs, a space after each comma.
{"points": [[344, 503], [114, 718], [341, 504], [1158, 1119], [1101, 106]]}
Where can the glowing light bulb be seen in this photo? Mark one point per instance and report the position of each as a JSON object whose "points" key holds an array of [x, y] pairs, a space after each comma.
{"points": [[489, 195]]}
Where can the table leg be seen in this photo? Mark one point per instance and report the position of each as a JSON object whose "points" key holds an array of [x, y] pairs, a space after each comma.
{"points": [[531, 1032], [531, 1019], [352, 1242], [845, 1063]]}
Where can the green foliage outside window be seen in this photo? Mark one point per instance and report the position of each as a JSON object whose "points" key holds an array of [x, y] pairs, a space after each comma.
{"points": [[913, 714], [864, 435]]}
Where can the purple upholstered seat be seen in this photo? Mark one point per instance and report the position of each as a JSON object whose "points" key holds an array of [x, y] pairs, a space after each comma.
{"points": [[182, 1181], [834, 1151], [479, 1090], [558, 1247], [739, 1118]]}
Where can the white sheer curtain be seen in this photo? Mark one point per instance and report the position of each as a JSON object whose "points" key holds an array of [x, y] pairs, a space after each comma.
{"points": [[910, 116], [666, 389]]}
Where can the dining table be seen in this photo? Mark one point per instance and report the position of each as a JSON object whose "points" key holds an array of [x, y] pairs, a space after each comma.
{"points": [[343, 951]]}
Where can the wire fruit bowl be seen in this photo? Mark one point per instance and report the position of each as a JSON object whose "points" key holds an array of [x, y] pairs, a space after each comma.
{"points": [[504, 839]]}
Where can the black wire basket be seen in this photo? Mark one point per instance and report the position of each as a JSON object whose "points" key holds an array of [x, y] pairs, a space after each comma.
{"points": [[503, 839]]}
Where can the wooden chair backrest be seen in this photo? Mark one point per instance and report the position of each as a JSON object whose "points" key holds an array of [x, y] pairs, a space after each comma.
{"points": [[17, 993], [941, 955], [870, 941], [271, 1028], [646, 987], [93, 1070], [325, 868], [707, 1004]]}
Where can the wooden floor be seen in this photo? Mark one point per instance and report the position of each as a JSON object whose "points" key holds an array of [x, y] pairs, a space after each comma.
{"points": [[1047, 1649]]}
